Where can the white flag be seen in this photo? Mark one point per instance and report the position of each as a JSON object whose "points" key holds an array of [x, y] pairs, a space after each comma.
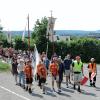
{"points": [[50, 28], [35, 60], [23, 35], [9, 37]]}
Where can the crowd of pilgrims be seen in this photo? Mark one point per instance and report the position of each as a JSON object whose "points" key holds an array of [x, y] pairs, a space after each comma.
{"points": [[23, 70]]}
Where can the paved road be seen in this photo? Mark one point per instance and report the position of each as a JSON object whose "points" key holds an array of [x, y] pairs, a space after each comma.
{"points": [[9, 91]]}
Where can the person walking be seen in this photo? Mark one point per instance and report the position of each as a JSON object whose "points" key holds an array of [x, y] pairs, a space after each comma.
{"points": [[29, 76], [61, 72], [21, 73], [67, 65], [14, 70], [54, 73], [43, 75], [78, 71], [38, 73], [92, 72]]}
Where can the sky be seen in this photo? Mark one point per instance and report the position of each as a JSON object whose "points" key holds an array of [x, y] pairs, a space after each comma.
{"points": [[70, 14]]}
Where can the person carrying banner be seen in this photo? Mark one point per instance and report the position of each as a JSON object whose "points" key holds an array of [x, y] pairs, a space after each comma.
{"points": [[54, 72], [38, 72], [77, 69], [28, 75], [92, 72]]}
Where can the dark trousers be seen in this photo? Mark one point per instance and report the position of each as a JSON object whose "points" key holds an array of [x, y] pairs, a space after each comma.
{"points": [[39, 81]]}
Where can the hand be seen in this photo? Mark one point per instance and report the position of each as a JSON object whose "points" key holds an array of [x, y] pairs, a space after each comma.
{"points": [[83, 74], [96, 73]]}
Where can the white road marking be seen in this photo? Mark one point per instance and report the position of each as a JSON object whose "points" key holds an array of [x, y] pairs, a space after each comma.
{"points": [[14, 93]]}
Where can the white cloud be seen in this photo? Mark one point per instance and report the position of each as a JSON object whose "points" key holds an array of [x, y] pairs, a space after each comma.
{"points": [[70, 14]]}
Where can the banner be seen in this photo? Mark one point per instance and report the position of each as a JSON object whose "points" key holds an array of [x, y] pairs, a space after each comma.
{"points": [[50, 28], [9, 37], [35, 60], [23, 35]]}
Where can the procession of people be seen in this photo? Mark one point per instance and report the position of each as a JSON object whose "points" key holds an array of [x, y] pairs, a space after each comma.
{"points": [[72, 69]]}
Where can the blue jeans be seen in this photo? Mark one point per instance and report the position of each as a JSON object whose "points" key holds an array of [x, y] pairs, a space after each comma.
{"points": [[21, 77]]}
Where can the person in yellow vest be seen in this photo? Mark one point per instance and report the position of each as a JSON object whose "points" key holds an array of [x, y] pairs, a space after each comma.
{"points": [[92, 70], [77, 70]]}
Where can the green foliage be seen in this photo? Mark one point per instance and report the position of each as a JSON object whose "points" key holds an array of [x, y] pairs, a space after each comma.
{"points": [[84, 47], [20, 45], [5, 43], [39, 34]]}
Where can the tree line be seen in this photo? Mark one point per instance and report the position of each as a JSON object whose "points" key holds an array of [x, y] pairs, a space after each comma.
{"points": [[85, 47]]}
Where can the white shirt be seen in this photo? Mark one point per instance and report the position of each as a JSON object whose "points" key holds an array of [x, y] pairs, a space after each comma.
{"points": [[21, 67]]}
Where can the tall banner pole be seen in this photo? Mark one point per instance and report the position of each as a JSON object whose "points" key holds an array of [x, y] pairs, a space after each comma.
{"points": [[28, 36], [52, 24]]}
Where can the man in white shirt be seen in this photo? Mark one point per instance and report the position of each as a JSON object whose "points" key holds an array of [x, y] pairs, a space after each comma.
{"points": [[21, 73]]}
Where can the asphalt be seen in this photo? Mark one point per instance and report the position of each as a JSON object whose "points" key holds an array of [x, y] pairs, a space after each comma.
{"points": [[10, 91]]}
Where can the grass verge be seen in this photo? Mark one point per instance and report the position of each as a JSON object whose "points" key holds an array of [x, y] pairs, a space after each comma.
{"points": [[4, 66]]}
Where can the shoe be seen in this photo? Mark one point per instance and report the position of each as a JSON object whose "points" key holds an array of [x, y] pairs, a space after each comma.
{"points": [[79, 90], [94, 85], [69, 82], [23, 87], [19, 84], [91, 84], [74, 87], [30, 91], [53, 90], [43, 92], [67, 86], [26, 88], [16, 83], [59, 90]]}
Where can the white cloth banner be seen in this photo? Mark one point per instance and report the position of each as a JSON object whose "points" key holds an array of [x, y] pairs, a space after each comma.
{"points": [[23, 35], [35, 60]]}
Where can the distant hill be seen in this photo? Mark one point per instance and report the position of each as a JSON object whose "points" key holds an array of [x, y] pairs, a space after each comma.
{"points": [[59, 32], [76, 32]]}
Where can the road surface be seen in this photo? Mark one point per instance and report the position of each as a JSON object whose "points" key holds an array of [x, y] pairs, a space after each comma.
{"points": [[9, 91]]}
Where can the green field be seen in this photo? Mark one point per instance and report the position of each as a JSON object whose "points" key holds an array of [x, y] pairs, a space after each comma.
{"points": [[4, 66]]}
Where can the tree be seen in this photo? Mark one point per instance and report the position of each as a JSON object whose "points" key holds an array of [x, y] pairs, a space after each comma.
{"points": [[20, 45], [39, 34]]}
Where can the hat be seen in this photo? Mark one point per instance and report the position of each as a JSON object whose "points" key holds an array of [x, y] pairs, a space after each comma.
{"points": [[92, 59]]}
